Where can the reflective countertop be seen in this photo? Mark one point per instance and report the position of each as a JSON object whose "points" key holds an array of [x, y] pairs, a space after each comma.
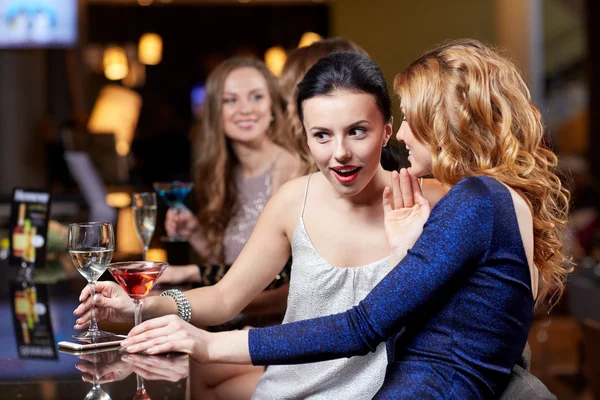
{"points": [[34, 317]]}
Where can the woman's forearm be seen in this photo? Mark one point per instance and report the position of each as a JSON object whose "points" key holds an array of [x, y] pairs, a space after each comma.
{"points": [[208, 307], [157, 306], [226, 347]]}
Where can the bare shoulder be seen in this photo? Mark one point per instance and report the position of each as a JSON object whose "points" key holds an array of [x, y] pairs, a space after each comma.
{"points": [[434, 190], [287, 166], [286, 204]]}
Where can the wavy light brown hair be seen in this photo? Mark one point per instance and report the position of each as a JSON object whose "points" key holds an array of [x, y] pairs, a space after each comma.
{"points": [[215, 187], [297, 64], [470, 106]]}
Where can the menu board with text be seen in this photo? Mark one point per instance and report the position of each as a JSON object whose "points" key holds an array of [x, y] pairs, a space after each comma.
{"points": [[29, 227]]}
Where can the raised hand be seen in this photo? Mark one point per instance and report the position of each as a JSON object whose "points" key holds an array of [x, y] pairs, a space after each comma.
{"points": [[167, 334], [111, 303], [181, 222], [405, 212]]}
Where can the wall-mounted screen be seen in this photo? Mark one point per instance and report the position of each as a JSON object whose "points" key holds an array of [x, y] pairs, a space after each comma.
{"points": [[38, 23]]}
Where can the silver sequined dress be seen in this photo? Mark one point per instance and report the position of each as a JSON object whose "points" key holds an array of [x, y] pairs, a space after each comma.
{"points": [[254, 193], [318, 288]]}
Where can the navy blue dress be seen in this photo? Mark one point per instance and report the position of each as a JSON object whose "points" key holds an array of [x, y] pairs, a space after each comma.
{"points": [[455, 311]]}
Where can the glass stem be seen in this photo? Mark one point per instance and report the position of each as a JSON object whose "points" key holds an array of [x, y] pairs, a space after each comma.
{"points": [[141, 390], [96, 382], [137, 311], [93, 325], [144, 252], [177, 207]]}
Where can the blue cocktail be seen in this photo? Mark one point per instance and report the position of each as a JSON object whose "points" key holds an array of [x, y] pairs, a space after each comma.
{"points": [[173, 194]]}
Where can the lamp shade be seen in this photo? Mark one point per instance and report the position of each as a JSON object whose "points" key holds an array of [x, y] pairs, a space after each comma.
{"points": [[115, 63], [275, 59], [309, 38], [116, 110], [150, 49]]}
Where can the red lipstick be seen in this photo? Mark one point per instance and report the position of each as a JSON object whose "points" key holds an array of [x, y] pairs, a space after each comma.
{"points": [[345, 173]]}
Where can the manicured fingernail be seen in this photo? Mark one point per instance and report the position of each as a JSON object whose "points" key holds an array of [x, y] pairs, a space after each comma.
{"points": [[151, 351], [124, 343]]}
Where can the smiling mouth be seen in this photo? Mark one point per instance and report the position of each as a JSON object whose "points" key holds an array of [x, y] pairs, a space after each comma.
{"points": [[346, 171], [246, 124]]}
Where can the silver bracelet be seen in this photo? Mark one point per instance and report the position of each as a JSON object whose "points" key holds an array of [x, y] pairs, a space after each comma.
{"points": [[184, 310]]}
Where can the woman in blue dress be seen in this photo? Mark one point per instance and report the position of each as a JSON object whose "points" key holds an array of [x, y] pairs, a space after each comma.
{"points": [[456, 310]]}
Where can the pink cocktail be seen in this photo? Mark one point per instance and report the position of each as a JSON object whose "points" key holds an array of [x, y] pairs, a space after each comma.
{"points": [[137, 278]]}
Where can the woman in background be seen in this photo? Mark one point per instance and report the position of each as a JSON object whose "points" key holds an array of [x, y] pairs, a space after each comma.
{"points": [[242, 158]]}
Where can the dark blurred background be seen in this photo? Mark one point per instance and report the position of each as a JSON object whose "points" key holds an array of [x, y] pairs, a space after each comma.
{"points": [[51, 93]]}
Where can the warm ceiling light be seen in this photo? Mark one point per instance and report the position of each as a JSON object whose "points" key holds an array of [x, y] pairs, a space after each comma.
{"points": [[144, 2], [309, 38], [116, 111], [115, 63], [150, 49], [275, 59]]}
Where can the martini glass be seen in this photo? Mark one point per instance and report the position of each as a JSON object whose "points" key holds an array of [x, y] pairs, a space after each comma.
{"points": [[91, 246], [137, 278], [173, 194]]}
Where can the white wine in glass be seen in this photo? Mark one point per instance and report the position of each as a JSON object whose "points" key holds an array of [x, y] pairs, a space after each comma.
{"points": [[91, 246], [144, 217]]}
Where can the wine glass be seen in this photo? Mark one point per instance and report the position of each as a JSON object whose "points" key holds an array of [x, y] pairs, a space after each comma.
{"points": [[91, 246], [137, 278], [93, 364], [173, 193], [144, 217]]}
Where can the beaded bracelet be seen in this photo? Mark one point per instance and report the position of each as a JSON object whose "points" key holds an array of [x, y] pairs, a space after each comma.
{"points": [[184, 310]]}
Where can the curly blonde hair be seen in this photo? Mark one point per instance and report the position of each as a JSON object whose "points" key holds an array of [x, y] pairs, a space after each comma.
{"points": [[215, 186], [470, 106]]}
